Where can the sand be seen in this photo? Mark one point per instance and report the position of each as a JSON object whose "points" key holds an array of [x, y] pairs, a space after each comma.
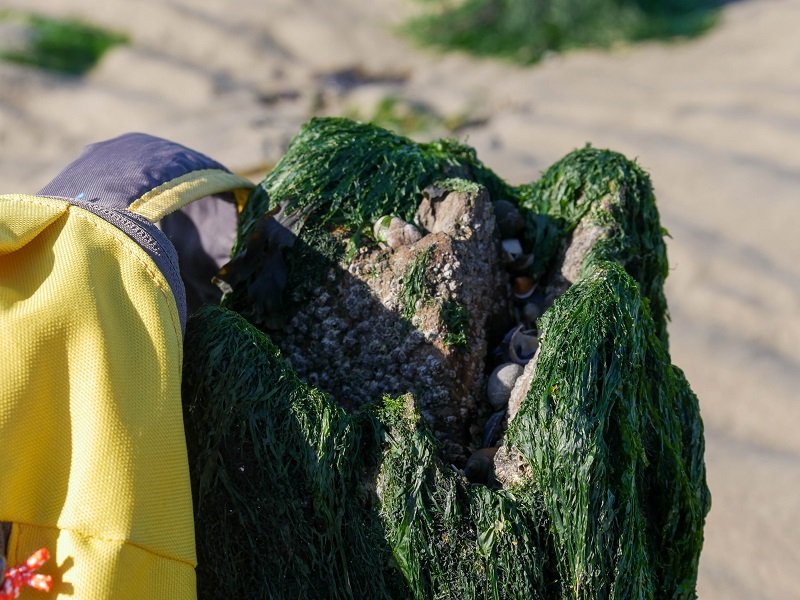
{"points": [[716, 121]]}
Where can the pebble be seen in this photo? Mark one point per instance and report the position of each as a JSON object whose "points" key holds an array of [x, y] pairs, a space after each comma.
{"points": [[501, 382]]}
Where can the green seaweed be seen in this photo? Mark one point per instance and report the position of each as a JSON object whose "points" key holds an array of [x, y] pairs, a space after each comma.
{"points": [[415, 283], [524, 31], [614, 436], [351, 174], [610, 191], [346, 175], [452, 540], [286, 489], [455, 320], [70, 46], [280, 511], [456, 184]]}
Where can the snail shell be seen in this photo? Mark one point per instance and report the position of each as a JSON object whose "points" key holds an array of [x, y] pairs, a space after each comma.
{"points": [[512, 250], [521, 263], [523, 287], [523, 345], [480, 466], [395, 232]]}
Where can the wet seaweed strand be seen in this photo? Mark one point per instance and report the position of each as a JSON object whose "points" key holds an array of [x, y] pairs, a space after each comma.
{"points": [[614, 436], [615, 193], [353, 173], [275, 466]]}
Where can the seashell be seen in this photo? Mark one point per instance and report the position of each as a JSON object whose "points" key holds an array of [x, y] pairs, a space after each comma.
{"points": [[480, 466], [381, 228], [522, 263], [523, 345], [523, 287], [508, 218], [395, 232], [512, 250], [492, 426], [501, 382]]}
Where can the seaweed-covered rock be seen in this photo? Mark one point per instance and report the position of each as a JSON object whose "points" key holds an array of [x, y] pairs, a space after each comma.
{"points": [[410, 319], [601, 488]]}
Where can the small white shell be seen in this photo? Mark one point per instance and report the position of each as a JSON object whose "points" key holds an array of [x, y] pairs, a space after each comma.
{"points": [[523, 345], [512, 249], [381, 228]]}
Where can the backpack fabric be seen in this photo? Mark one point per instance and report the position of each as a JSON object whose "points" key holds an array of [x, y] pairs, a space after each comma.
{"points": [[93, 460]]}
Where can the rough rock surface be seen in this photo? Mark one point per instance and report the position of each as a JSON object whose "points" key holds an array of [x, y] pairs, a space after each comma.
{"points": [[520, 389], [510, 467], [359, 340], [569, 260]]}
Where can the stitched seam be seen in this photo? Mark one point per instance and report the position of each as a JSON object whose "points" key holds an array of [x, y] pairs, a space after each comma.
{"points": [[32, 200], [102, 539], [115, 236]]}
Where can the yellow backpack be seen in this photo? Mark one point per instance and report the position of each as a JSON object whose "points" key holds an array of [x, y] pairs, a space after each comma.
{"points": [[93, 461]]}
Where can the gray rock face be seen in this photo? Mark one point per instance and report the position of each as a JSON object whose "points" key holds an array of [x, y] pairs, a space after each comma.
{"points": [[520, 389], [364, 337], [569, 260]]}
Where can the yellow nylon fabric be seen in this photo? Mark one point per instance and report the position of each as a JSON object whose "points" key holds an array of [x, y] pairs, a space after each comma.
{"points": [[21, 222], [93, 458], [178, 192]]}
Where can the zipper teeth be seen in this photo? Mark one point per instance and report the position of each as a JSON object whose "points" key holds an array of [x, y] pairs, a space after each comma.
{"points": [[126, 223]]}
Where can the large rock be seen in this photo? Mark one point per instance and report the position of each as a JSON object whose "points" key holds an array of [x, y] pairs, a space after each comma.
{"points": [[412, 320]]}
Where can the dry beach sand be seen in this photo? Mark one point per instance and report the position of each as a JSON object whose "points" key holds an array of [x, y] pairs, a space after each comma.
{"points": [[715, 121]]}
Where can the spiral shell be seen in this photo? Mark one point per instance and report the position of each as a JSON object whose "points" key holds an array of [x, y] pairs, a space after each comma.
{"points": [[523, 345], [395, 232]]}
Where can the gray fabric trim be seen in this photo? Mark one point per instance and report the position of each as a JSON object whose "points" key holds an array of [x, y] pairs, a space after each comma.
{"points": [[108, 176], [116, 172]]}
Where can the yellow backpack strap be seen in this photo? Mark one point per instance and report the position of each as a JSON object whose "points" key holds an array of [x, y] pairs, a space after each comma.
{"points": [[178, 192]]}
